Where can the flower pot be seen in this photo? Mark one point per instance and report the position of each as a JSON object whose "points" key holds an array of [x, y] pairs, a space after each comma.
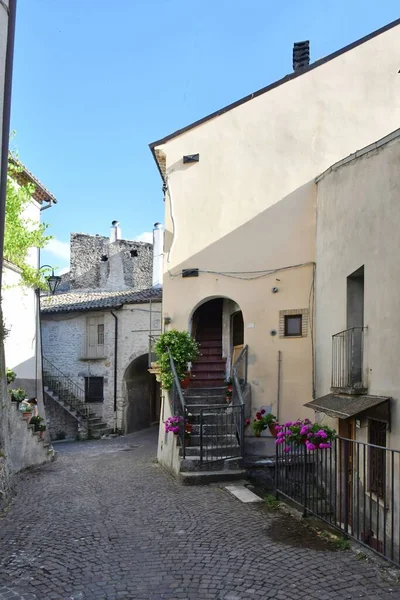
{"points": [[27, 416], [187, 442], [185, 382], [272, 428], [41, 435], [189, 427], [257, 433]]}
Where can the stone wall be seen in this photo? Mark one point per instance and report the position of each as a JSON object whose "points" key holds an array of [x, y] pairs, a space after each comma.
{"points": [[63, 342], [59, 421], [98, 264]]}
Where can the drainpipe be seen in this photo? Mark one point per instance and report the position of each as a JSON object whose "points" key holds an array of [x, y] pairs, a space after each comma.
{"points": [[5, 133], [115, 367], [278, 392]]}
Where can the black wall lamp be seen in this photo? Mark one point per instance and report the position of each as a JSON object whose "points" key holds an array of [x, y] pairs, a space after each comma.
{"points": [[53, 281]]}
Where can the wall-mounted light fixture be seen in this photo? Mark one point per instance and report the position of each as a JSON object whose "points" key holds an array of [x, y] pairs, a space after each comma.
{"points": [[275, 290]]}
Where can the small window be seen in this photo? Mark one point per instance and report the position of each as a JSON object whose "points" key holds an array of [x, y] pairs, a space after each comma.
{"points": [[293, 325], [94, 389], [377, 457], [94, 337]]}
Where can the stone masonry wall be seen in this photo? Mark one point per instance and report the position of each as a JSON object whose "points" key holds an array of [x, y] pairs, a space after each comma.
{"points": [[98, 264], [59, 421], [63, 342]]}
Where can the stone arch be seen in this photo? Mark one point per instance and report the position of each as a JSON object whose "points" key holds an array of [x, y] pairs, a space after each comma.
{"points": [[142, 402], [214, 321]]}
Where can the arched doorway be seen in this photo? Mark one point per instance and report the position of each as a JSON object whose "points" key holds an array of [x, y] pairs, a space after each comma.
{"points": [[142, 407], [217, 324]]}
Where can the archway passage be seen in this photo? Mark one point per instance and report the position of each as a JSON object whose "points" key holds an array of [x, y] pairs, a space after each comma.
{"points": [[142, 395], [217, 326]]}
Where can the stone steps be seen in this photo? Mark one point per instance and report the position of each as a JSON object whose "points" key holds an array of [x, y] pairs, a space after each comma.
{"points": [[207, 477]]}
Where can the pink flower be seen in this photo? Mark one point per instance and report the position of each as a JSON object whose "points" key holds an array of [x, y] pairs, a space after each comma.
{"points": [[258, 415], [279, 441], [286, 449], [281, 434], [263, 411], [247, 422], [304, 430], [288, 424], [310, 446], [325, 445], [278, 427], [322, 434]]}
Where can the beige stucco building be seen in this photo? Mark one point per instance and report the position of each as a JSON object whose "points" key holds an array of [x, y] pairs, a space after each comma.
{"points": [[240, 209]]}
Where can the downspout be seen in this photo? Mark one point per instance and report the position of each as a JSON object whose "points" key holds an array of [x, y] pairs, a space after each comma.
{"points": [[278, 391], [115, 367], [5, 133]]}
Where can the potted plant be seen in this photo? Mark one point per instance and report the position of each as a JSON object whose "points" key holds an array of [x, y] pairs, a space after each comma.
{"points": [[11, 376], [185, 381], [173, 424], [263, 421], [188, 424], [184, 350], [17, 395], [187, 438], [303, 432], [42, 428]]}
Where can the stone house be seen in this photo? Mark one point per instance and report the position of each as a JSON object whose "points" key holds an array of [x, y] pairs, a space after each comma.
{"points": [[240, 200], [96, 337], [22, 345]]}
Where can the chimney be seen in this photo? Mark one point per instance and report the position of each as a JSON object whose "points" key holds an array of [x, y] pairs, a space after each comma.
{"points": [[301, 55], [158, 256], [115, 233]]}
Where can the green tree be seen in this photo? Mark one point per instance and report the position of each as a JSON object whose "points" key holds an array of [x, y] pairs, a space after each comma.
{"points": [[21, 233]]}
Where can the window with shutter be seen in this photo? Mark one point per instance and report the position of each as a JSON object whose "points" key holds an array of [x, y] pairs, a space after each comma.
{"points": [[94, 344]]}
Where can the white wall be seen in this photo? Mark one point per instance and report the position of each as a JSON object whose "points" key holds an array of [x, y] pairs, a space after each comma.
{"points": [[358, 217], [63, 342]]}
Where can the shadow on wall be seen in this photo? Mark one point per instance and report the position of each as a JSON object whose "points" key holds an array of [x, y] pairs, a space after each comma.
{"points": [[142, 406]]}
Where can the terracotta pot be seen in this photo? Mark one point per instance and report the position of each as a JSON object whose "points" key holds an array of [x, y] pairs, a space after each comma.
{"points": [[189, 427], [185, 382], [272, 428], [41, 434], [27, 416], [258, 434]]}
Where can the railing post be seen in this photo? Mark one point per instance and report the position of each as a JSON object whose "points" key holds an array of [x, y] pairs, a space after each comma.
{"points": [[201, 436], [346, 485]]}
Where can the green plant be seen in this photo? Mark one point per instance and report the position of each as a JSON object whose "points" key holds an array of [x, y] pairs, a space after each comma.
{"points": [[10, 376], [38, 423], [271, 502], [21, 234], [188, 435], [18, 395], [262, 421], [183, 349]]}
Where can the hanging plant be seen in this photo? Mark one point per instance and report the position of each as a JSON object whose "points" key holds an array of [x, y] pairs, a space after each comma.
{"points": [[184, 350]]}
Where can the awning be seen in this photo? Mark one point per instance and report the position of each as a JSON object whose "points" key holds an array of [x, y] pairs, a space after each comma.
{"points": [[345, 406]]}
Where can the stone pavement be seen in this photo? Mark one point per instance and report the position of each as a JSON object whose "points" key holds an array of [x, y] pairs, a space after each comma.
{"points": [[105, 522]]}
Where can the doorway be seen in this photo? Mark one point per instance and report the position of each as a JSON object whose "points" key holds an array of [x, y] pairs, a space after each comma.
{"points": [[142, 406]]}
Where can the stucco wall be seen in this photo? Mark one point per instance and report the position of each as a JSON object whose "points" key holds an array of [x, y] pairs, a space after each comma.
{"points": [[121, 270], [357, 224], [63, 340]]}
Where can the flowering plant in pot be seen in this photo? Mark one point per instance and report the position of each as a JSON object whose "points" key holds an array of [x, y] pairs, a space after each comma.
{"points": [[262, 421], [303, 432], [184, 350], [173, 424], [188, 436], [188, 424]]}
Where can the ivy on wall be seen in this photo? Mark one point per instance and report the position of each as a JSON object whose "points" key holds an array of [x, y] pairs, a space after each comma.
{"points": [[21, 233]]}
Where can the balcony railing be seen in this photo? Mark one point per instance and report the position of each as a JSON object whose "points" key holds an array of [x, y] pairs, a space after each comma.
{"points": [[348, 361]]}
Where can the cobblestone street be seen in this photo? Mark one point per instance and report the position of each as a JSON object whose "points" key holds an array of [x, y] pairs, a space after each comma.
{"points": [[104, 522]]}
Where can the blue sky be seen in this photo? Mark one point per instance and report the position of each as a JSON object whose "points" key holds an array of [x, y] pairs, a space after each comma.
{"points": [[95, 81]]}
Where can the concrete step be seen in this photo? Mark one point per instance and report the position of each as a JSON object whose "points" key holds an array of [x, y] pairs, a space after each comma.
{"points": [[201, 382], [210, 429], [205, 344], [193, 463], [194, 400], [229, 437], [223, 449], [206, 391], [207, 477], [208, 366]]}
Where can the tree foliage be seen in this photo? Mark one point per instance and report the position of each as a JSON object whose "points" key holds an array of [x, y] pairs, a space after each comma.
{"points": [[21, 233]]}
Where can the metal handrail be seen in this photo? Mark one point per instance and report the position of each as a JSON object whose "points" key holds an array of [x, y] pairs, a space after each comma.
{"points": [[76, 395], [348, 358], [178, 400]]}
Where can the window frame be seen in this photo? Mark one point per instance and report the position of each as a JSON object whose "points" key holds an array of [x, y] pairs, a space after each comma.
{"points": [[377, 458], [292, 317], [87, 388], [94, 332]]}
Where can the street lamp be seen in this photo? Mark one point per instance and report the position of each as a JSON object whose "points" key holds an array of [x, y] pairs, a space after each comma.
{"points": [[53, 281]]}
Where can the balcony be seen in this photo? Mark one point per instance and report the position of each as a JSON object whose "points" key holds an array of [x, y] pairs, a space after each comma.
{"points": [[348, 362]]}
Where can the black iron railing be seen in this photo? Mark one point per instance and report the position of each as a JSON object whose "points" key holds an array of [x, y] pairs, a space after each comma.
{"points": [[178, 403], [66, 389], [348, 360], [354, 486], [222, 425]]}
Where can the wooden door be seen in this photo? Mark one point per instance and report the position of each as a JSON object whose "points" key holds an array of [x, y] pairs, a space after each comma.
{"points": [[347, 430]]}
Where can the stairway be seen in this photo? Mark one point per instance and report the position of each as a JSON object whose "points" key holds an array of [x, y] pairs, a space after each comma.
{"points": [[221, 449], [209, 370], [67, 394]]}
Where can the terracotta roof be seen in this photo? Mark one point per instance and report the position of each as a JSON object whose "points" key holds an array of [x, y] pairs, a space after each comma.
{"points": [[265, 89], [84, 301], [24, 176]]}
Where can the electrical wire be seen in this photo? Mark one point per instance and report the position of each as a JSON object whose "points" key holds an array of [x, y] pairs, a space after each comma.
{"points": [[245, 275]]}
